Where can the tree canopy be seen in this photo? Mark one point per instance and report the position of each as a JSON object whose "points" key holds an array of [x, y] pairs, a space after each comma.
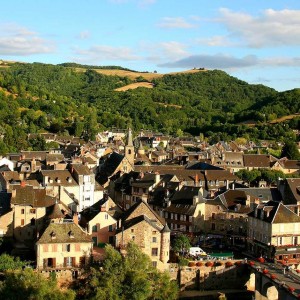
{"points": [[129, 277]]}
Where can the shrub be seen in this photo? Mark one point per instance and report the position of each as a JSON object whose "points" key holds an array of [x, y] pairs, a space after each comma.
{"points": [[265, 271], [192, 264], [182, 262], [199, 264], [261, 260], [209, 264], [273, 276], [219, 263], [228, 264]]}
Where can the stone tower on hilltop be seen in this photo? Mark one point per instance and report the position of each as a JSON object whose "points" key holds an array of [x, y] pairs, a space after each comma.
{"points": [[129, 148]]}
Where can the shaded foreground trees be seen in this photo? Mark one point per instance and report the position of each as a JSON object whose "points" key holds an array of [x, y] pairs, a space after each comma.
{"points": [[129, 277], [27, 284]]}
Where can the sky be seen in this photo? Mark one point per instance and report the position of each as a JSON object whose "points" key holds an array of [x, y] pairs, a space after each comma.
{"points": [[255, 41]]}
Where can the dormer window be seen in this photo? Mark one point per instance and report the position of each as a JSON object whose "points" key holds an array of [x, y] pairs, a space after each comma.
{"points": [[53, 235], [58, 180], [71, 234], [69, 179]]}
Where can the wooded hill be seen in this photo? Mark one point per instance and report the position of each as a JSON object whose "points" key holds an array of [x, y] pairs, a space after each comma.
{"points": [[74, 99]]}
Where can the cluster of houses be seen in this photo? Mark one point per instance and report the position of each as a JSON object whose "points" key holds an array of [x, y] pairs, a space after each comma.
{"points": [[61, 207]]}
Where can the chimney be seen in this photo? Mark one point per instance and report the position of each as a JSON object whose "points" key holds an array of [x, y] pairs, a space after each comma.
{"points": [[248, 202], [195, 200], [13, 193], [23, 184], [157, 177], [75, 218]]}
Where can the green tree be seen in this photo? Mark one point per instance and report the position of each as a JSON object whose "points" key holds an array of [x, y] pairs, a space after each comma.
{"points": [[28, 284], [181, 243], [290, 150], [129, 277], [8, 262]]}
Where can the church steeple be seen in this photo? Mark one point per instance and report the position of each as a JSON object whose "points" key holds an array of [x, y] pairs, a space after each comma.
{"points": [[129, 148], [129, 138]]}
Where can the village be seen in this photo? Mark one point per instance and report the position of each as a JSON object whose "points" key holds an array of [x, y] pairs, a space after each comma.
{"points": [[59, 208]]}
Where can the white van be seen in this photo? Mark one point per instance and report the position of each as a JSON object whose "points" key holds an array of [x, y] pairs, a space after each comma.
{"points": [[196, 251]]}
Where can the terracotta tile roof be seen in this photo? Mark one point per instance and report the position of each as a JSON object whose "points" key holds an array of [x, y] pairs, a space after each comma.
{"points": [[132, 222], [56, 212], [275, 213], [258, 160], [11, 175], [291, 164], [220, 175], [31, 196], [64, 233], [184, 209], [81, 169], [54, 157], [59, 177], [293, 186]]}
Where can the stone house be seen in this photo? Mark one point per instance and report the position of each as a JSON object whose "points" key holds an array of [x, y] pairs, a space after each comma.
{"points": [[63, 246], [273, 231], [148, 230], [100, 222]]}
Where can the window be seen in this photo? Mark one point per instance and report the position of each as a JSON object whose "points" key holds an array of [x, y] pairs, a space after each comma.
{"points": [[295, 240], [68, 261], [22, 222], [279, 241], [132, 230], [32, 211], [22, 211], [77, 247], [213, 226], [54, 248], [154, 264], [133, 238], [32, 222], [154, 251], [154, 239], [68, 247], [110, 228], [94, 238], [94, 228], [106, 216], [45, 248]]}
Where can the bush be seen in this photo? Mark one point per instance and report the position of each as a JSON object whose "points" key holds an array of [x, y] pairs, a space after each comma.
{"points": [[209, 264], [218, 264], [199, 264], [229, 264], [182, 262], [192, 264]]}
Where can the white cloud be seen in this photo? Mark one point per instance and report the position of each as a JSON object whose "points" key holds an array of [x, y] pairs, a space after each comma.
{"points": [[83, 35], [20, 41], [178, 22], [272, 28], [217, 61], [103, 53], [223, 61], [215, 41]]}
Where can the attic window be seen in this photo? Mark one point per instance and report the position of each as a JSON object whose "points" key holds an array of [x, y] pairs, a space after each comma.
{"points": [[71, 234], [53, 235], [57, 180], [69, 179]]}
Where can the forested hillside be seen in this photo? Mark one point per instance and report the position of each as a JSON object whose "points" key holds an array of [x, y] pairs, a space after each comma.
{"points": [[38, 98]]}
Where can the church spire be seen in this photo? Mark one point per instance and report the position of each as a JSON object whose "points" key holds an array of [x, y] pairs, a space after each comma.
{"points": [[129, 138]]}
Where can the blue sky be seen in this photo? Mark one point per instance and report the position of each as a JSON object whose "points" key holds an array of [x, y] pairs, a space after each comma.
{"points": [[256, 41]]}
